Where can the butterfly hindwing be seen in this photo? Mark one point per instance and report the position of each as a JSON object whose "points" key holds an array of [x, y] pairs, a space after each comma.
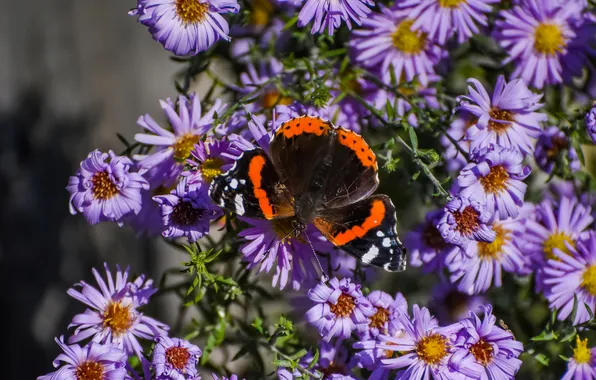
{"points": [[252, 188], [366, 230]]}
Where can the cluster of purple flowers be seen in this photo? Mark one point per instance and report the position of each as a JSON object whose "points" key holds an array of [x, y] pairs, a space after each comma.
{"points": [[111, 326]]}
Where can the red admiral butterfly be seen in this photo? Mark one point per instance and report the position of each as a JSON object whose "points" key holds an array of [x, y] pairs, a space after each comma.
{"points": [[321, 174]]}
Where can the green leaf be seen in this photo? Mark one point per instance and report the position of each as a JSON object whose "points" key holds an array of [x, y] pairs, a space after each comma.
{"points": [[413, 139], [214, 339], [415, 176], [564, 358], [589, 309], [542, 359], [545, 336], [315, 359], [258, 324], [283, 363], [574, 311], [299, 354], [568, 337]]}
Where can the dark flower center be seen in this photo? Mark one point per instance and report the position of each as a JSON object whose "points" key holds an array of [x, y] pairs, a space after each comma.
{"points": [[379, 318], [184, 214], [89, 370], [467, 220], [432, 349], [177, 357], [456, 303], [558, 143], [344, 307], [432, 237], [117, 318], [498, 114], [333, 369], [483, 352], [103, 187], [495, 181], [191, 11]]}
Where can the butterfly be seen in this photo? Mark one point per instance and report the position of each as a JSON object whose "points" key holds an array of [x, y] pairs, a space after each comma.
{"points": [[320, 174]]}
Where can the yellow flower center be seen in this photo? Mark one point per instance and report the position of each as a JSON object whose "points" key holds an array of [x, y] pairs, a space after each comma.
{"points": [[581, 352], [467, 220], [177, 357], [483, 352], [344, 306], [557, 240], [499, 114], [191, 11], [184, 145], [407, 40], [118, 318], [492, 251], [260, 12], [548, 39], [273, 98], [103, 187], [283, 228], [589, 280], [211, 168], [432, 349], [379, 318], [89, 370], [494, 182], [450, 3]]}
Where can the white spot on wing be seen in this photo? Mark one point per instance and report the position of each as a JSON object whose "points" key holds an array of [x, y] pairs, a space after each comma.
{"points": [[239, 203], [386, 242], [372, 253], [234, 183], [380, 234]]}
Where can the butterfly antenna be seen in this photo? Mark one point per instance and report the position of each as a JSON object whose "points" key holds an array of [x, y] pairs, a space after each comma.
{"points": [[324, 276]]}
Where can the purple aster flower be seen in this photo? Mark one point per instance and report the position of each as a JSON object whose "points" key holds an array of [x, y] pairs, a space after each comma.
{"points": [[450, 305], [175, 359], [457, 131], [484, 262], [268, 95], [330, 14], [340, 308], [572, 274], [188, 124], [536, 35], [443, 18], [112, 316], [187, 210], [104, 189], [465, 220], [387, 309], [557, 226], [185, 27], [423, 350], [232, 377], [582, 365], [388, 42], [94, 361], [591, 123], [553, 145], [427, 247], [486, 351], [496, 179], [508, 119], [210, 159], [270, 243]]}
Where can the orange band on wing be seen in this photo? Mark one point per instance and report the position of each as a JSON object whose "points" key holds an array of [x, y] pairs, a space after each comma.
{"points": [[377, 213], [355, 142], [304, 124], [255, 167]]}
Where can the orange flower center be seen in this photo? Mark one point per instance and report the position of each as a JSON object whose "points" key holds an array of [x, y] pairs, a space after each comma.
{"points": [[379, 318], [495, 181], [467, 220], [89, 370], [117, 318], [103, 187], [273, 98], [498, 114], [483, 352], [344, 307], [191, 11], [178, 357], [432, 349]]}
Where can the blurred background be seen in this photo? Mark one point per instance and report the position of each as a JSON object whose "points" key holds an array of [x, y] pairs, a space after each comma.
{"points": [[72, 75]]}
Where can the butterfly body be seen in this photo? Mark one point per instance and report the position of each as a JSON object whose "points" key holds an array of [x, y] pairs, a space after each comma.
{"points": [[316, 173]]}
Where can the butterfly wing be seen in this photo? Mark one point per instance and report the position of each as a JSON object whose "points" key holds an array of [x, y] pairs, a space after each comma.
{"points": [[367, 231], [352, 175], [298, 148], [252, 188]]}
